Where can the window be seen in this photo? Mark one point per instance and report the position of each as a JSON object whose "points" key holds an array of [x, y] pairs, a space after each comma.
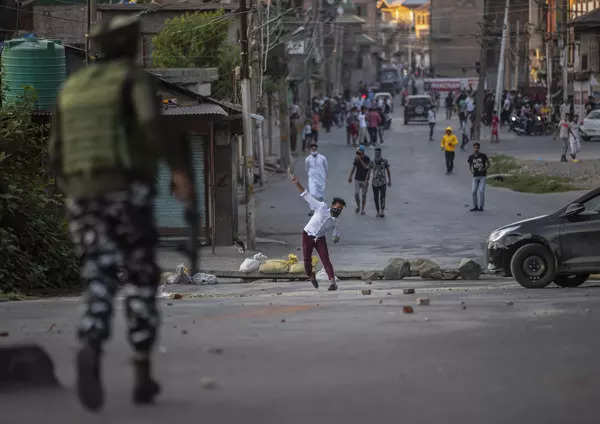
{"points": [[592, 206], [584, 62]]}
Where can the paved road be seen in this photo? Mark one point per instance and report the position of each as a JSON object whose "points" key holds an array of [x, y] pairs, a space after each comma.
{"points": [[428, 212], [295, 355]]}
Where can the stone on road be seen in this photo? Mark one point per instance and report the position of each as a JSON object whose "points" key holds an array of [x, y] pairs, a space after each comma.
{"points": [[396, 269]]}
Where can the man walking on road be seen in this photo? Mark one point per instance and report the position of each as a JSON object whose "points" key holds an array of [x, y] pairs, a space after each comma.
{"points": [[449, 102], [448, 146], [323, 221], [362, 126], [316, 168], [563, 133], [352, 127], [478, 165], [431, 121], [106, 142], [361, 179], [380, 167], [373, 122]]}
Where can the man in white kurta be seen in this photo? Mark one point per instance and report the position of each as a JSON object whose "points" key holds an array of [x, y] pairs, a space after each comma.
{"points": [[316, 168]]}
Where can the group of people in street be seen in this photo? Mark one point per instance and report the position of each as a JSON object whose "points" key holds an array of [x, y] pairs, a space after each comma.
{"points": [[364, 116]]}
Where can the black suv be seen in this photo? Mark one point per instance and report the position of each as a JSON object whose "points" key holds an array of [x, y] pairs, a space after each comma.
{"points": [[416, 108], [563, 247]]}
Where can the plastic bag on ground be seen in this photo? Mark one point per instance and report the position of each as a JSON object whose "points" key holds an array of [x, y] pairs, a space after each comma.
{"points": [[298, 268], [252, 264], [181, 276], [275, 266], [204, 279]]}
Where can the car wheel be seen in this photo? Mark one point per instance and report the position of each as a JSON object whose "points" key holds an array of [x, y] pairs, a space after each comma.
{"points": [[533, 266], [571, 280]]}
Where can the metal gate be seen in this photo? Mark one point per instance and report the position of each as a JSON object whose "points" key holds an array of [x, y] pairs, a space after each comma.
{"points": [[168, 210]]}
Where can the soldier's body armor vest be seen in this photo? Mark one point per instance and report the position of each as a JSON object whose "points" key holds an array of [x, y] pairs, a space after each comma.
{"points": [[94, 120]]}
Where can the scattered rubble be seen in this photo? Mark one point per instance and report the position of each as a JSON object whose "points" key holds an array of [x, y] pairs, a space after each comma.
{"points": [[407, 309], [423, 301], [371, 275], [176, 296], [408, 291], [422, 265], [510, 303], [365, 292]]}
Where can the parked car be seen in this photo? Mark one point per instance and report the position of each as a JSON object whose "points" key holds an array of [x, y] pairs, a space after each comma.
{"points": [[591, 126], [390, 79], [563, 247], [416, 108]]}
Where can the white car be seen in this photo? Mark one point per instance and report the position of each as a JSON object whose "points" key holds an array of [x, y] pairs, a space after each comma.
{"points": [[591, 126], [386, 97]]}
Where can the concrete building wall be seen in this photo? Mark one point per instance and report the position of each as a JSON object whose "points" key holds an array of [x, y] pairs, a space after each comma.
{"points": [[61, 22], [454, 41]]}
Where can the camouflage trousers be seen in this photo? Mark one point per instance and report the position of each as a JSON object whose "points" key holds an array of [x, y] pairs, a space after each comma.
{"points": [[115, 237]]}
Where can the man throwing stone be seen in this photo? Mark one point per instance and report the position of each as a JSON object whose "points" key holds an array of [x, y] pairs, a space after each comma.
{"points": [[323, 221]]}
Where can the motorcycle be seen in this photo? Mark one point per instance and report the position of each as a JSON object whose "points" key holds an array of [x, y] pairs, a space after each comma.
{"points": [[535, 125]]}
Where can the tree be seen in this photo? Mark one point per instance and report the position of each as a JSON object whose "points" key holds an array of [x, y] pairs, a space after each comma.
{"points": [[198, 40], [35, 250]]}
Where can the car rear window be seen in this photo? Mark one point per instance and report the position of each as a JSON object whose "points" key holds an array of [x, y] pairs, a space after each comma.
{"points": [[421, 101]]}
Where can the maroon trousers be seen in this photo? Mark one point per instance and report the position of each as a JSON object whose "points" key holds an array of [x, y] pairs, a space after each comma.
{"points": [[308, 244]]}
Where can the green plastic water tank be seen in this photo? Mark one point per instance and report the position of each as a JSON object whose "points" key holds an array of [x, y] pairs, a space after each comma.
{"points": [[35, 63]]}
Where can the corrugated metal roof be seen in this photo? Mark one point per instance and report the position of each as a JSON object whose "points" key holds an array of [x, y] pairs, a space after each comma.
{"points": [[199, 109]]}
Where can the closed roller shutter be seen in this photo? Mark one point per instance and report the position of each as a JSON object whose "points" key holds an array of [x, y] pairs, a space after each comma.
{"points": [[167, 209]]}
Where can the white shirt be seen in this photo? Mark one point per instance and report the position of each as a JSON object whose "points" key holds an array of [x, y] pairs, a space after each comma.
{"points": [[362, 120], [316, 168], [470, 105], [321, 223], [431, 116]]}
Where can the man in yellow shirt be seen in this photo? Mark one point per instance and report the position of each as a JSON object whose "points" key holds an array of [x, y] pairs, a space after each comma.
{"points": [[449, 143]]}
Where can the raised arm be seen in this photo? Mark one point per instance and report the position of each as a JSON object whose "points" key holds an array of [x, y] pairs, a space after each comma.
{"points": [[299, 186]]}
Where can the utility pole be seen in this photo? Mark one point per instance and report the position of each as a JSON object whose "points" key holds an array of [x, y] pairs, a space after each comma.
{"points": [[518, 55], [248, 130], [501, 62], [548, 73], [564, 53], [482, 74]]}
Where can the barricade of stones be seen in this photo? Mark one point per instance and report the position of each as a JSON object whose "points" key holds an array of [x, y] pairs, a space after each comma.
{"points": [[399, 268]]}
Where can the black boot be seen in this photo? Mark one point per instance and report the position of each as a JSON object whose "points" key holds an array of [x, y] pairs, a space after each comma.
{"points": [[145, 388], [89, 384]]}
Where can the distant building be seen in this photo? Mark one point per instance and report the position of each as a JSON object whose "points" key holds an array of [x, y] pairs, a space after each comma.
{"points": [[405, 30], [586, 66]]}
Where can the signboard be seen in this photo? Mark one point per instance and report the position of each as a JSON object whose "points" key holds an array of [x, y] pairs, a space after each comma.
{"points": [[295, 47], [451, 84]]}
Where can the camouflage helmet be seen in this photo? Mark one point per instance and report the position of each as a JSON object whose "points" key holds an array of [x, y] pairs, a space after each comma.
{"points": [[120, 29]]}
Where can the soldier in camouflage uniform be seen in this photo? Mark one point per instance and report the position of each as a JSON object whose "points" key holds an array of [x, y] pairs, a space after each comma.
{"points": [[105, 145]]}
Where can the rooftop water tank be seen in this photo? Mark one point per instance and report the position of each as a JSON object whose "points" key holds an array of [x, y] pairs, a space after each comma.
{"points": [[36, 63]]}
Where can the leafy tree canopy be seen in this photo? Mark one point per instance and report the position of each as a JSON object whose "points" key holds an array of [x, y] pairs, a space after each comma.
{"points": [[198, 40]]}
